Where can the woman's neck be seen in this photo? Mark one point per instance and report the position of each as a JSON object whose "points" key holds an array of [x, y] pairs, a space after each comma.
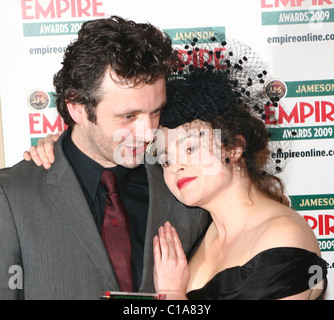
{"points": [[232, 209]]}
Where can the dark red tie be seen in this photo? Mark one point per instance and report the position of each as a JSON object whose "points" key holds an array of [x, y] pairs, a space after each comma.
{"points": [[116, 232]]}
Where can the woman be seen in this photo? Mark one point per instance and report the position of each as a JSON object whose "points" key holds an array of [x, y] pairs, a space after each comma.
{"points": [[216, 155]]}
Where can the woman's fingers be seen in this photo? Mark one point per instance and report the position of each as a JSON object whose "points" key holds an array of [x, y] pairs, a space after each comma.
{"points": [[169, 243], [177, 244], [43, 152], [169, 240], [156, 249], [165, 244]]}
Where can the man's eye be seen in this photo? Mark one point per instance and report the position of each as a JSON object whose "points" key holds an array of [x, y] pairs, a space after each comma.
{"points": [[156, 113], [129, 116], [166, 163]]}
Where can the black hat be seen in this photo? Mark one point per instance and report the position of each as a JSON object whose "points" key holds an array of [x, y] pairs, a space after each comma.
{"points": [[192, 90], [223, 74]]}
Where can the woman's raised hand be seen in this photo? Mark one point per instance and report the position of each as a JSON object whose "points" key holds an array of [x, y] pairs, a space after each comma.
{"points": [[171, 271]]}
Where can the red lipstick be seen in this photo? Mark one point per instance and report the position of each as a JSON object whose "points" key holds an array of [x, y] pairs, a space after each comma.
{"points": [[184, 182]]}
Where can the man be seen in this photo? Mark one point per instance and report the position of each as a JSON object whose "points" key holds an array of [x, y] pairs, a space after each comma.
{"points": [[109, 91]]}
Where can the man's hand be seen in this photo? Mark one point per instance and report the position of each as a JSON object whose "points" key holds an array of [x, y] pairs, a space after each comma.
{"points": [[43, 154]]}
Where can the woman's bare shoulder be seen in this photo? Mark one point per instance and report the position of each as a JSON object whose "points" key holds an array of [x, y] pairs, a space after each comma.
{"points": [[285, 228]]}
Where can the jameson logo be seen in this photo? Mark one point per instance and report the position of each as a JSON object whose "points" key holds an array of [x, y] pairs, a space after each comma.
{"points": [[38, 100], [310, 88], [275, 88], [313, 202], [202, 35]]}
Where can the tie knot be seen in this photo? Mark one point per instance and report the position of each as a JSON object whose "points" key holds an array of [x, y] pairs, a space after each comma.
{"points": [[109, 181]]}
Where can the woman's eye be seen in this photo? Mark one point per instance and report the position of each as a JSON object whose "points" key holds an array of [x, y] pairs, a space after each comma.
{"points": [[191, 145], [191, 149], [165, 163]]}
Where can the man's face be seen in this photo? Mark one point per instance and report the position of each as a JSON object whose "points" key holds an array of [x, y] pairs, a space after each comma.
{"points": [[126, 119]]}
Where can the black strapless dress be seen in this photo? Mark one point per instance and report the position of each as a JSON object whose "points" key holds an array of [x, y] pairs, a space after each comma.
{"points": [[272, 274]]}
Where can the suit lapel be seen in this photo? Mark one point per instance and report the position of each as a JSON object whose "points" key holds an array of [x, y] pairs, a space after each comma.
{"points": [[159, 207], [67, 197]]}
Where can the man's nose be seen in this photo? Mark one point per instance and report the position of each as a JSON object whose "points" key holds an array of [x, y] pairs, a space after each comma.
{"points": [[146, 129]]}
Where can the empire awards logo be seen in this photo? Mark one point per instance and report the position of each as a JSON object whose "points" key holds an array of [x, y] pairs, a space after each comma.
{"points": [[38, 100]]}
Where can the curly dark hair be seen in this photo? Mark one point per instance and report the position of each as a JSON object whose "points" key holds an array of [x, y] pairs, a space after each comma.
{"points": [[136, 52], [241, 129]]}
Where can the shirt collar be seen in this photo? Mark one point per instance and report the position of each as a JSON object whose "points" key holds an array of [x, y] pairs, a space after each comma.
{"points": [[88, 171]]}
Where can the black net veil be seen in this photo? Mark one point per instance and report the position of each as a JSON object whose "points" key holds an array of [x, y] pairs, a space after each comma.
{"points": [[226, 78]]}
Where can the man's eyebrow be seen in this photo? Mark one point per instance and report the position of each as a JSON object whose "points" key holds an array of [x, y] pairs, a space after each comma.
{"points": [[163, 104], [159, 108], [140, 110]]}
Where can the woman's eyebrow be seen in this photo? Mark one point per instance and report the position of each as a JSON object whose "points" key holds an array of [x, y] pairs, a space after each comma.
{"points": [[165, 150]]}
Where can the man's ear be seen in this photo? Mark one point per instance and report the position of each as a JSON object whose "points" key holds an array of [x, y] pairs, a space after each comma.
{"points": [[77, 112]]}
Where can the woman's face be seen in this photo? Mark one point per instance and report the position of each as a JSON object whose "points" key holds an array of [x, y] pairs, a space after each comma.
{"points": [[191, 161]]}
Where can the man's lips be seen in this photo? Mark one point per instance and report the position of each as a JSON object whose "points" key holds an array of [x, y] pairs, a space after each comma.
{"points": [[184, 182], [134, 150]]}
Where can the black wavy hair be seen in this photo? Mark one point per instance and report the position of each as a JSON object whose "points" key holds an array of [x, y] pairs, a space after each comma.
{"points": [[136, 52]]}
